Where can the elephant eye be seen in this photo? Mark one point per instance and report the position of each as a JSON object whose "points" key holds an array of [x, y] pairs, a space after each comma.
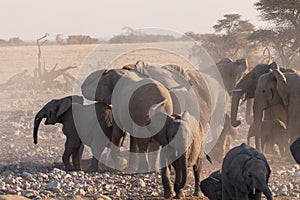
{"points": [[249, 175], [263, 91]]}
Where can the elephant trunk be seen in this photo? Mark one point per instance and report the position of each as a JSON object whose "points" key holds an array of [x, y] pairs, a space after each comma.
{"points": [[37, 120], [257, 124], [263, 187], [236, 96], [181, 173], [249, 109]]}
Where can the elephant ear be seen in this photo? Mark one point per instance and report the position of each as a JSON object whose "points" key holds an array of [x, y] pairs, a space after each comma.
{"points": [[63, 105], [235, 172], [263, 158], [90, 84], [281, 85]]}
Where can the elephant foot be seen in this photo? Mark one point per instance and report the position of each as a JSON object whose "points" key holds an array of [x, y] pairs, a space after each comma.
{"points": [[197, 193], [92, 168], [130, 170], [70, 168], [179, 194], [168, 194], [122, 164]]}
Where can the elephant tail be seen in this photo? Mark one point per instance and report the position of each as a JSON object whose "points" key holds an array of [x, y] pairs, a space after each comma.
{"points": [[37, 120]]}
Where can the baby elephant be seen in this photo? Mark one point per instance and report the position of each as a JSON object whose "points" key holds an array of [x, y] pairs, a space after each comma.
{"points": [[245, 174], [212, 186], [272, 132], [181, 139], [82, 124]]}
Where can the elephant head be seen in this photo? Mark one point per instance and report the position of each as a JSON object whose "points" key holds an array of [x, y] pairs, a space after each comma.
{"points": [[250, 172], [52, 111], [99, 85], [231, 72], [271, 90], [246, 86]]}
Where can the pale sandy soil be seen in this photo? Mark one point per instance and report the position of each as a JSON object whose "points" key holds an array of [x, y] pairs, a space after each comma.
{"points": [[18, 108]]}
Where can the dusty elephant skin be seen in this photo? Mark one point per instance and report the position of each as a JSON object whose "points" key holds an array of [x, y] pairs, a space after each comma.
{"points": [[231, 72], [181, 135], [100, 85], [224, 142], [247, 86], [245, 174], [273, 132], [79, 126], [280, 88]]}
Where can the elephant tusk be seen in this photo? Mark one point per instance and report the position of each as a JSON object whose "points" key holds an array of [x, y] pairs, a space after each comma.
{"points": [[214, 179], [253, 191], [237, 90]]}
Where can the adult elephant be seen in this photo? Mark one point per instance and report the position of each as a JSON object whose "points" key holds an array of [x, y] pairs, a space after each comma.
{"points": [[246, 87], [198, 93], [232, 72], [132, 96], [275, 88]]}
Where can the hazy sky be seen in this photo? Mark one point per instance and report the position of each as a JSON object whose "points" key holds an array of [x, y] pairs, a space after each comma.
{"points": [[30, 19]]}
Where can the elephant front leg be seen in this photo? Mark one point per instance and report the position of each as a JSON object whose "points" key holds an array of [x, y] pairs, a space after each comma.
{"points": [[133, 158], [94, 165], [76, 156], [165, 176], [142, 144], [180, 178], [258, 142], [197, 170], [117, 140], [66, 157]]}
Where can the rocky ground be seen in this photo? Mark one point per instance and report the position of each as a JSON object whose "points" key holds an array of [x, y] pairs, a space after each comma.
{"points": [[36, 171]]}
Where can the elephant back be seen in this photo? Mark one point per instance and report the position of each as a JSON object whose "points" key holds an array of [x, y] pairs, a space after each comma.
{"points": [[186, 83], [134, 95]]}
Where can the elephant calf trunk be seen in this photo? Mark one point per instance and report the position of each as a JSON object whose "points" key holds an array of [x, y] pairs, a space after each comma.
{"points": [[37, 120]]}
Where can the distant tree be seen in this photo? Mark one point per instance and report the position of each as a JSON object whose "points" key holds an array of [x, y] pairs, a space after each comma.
{"points": [[128, 30], [15, 41], [232, 24], [230, 38], [3, 42], [81, 39], [59, 39], [195, 36], [130, 35], [283, 33]]}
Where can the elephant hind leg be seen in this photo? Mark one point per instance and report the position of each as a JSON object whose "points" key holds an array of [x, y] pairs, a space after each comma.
{"points": [[76, 157], [66, 156], [197, 170], [142, 144]]}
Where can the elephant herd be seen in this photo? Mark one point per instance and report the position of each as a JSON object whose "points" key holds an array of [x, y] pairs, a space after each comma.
{"points": [[275, 97], [166, 111]]}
